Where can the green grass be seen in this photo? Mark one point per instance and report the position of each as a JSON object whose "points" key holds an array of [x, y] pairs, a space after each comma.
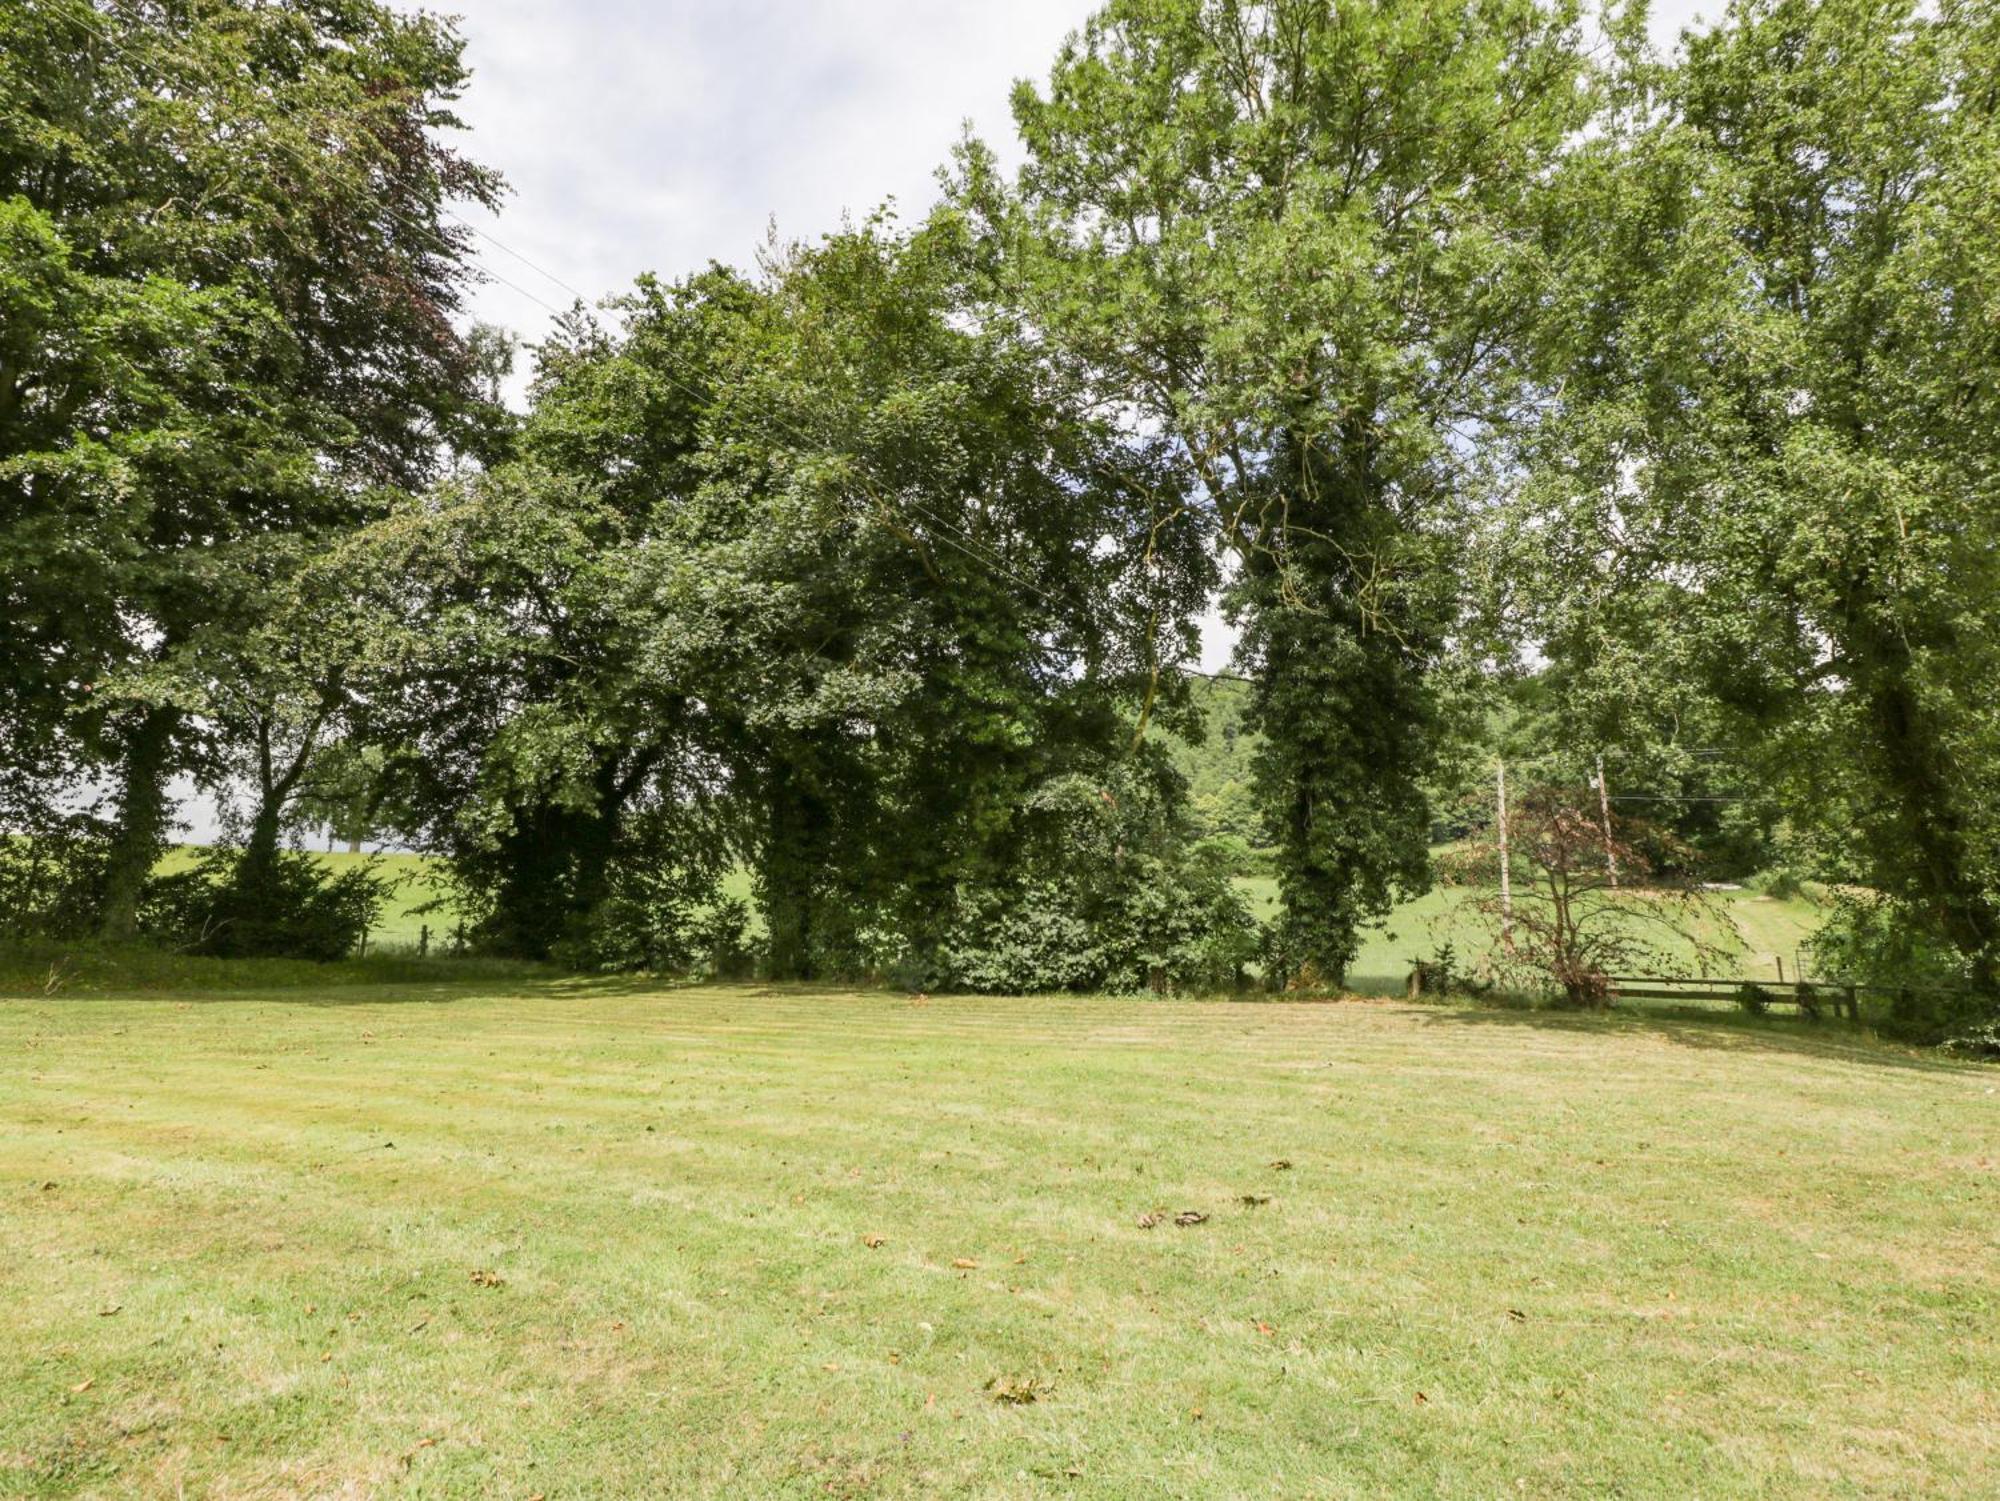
{"points": [[1514, 1254]]}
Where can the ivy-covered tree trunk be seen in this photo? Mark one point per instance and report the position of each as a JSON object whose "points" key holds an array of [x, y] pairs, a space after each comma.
{"points": [[1348, 718], [141, 830], [1298, 237], [1925, 844], [791, 881]]}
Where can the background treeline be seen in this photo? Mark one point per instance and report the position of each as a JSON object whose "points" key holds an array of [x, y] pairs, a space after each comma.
{"points": [[1518, 390]]}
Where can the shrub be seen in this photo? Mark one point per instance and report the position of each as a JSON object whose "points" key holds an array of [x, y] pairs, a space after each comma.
{"points": [[1106, 895], [1438, 975], [666, 921], [1782, 883], [1875, 941], [1753, 999], [286, 906], [1979, 1039], [1234, 856], [51, 880]]}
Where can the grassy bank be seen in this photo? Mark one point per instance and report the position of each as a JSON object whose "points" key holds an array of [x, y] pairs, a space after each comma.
{"points": [[575, 1239], [1759, 930]]}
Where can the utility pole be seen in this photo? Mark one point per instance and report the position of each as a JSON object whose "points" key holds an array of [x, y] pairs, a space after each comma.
{"points": [[1506, 876], [1604, 810]]}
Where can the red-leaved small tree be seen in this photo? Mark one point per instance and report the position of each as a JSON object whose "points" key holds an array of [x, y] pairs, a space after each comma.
{"points": [[1585, 905]]}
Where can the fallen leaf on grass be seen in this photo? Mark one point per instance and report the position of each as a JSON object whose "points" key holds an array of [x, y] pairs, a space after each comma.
{"points": [[105, 1313], [1254, 1201], [873, 1242], [1151, 1218], [1422, 1400], [483, 1278], [1189, 1217], [1517, 1316], [1266, 1329], [1018, 1391], [1282, 1165], [966, 1264], [84, 1385]]}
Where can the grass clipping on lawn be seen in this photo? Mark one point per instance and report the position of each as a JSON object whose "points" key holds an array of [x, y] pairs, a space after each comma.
{"points": [[598, 1239]]}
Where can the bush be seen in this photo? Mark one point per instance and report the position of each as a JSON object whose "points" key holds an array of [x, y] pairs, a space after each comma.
{"points": [[1930, 1018], [658, 922], [1235, 856], [1781, 883], [52, 881], [1443, 975], [1106, 895], [1753, 999], [288, 906], [1980, 1039], [1875, 941]]}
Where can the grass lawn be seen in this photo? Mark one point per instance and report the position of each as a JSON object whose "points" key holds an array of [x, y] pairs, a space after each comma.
{"points": [[585, 1239]]}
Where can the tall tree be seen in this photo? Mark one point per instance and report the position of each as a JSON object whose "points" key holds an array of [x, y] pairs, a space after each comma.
{"points": [[1294, 237], [811, 562], [230, 284], [1772, 465]]}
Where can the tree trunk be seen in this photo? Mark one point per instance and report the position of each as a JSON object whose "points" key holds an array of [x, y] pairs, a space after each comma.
{"points": [[558, 866], [142, 822], [794, 864], [1928, 821], [260, 846]]}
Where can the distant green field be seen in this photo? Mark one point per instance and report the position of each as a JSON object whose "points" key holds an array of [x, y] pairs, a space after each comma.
{"points": [[1760, 929]]}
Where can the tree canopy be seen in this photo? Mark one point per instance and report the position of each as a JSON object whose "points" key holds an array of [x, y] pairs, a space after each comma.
{"points": [[1513, 386]]}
